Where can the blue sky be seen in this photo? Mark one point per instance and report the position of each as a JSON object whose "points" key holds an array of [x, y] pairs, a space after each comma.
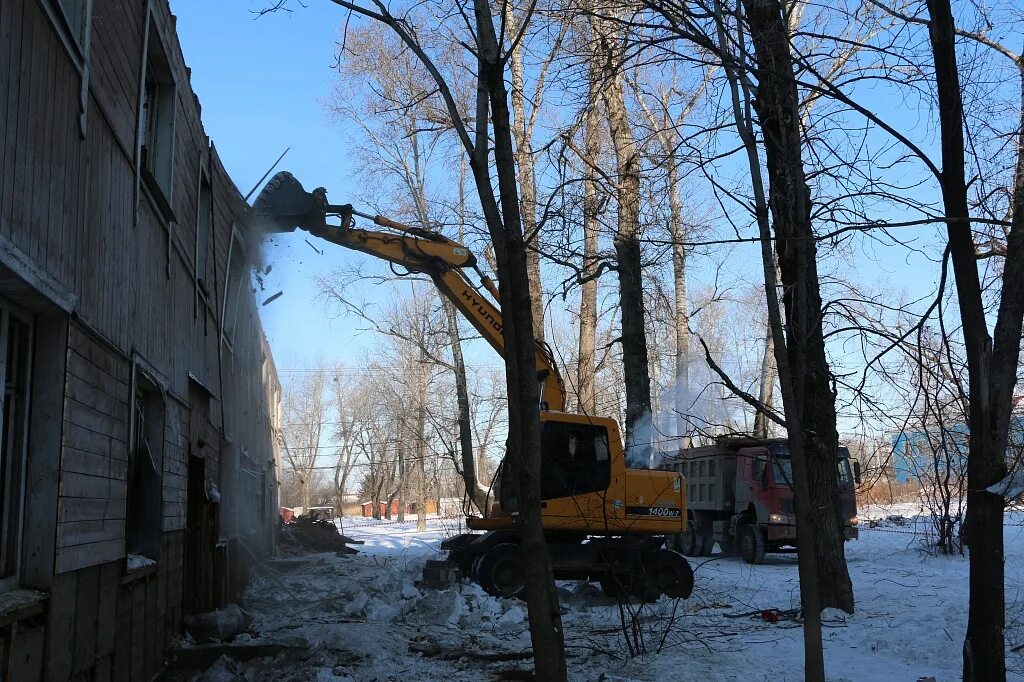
{"points": [[261, 82]]}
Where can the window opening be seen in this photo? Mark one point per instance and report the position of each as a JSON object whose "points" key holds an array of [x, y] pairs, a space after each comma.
{"points": [[15, 339], [157, 120], [145, 465], [204, 219]]}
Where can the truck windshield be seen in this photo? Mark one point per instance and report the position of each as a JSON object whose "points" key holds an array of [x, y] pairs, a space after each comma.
{"points": [[782, 470], [845, 476], [782, 467]]}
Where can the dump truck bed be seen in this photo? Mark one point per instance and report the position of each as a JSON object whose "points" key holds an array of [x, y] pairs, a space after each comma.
{"points": [[710, 477]]}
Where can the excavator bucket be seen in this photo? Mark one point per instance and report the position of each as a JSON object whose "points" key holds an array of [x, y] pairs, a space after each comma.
{"points": [[282, 205]]}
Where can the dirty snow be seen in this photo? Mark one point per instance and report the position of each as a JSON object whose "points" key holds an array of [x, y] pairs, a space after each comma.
{"points": [[363, 618], [136, 562]]}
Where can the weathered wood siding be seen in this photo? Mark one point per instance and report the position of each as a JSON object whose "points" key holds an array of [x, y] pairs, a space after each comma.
{"points": [[94, 457], [84, 245]]}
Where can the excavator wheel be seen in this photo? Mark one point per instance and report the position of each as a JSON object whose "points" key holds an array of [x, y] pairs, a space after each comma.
{"points": [[663, 572], [501, 572]]}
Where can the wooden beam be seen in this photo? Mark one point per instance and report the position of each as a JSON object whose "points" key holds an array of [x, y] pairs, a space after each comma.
{"points": [[44, 451]]}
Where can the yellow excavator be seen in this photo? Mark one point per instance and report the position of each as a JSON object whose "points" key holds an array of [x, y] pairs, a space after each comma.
{"points": [[603, 521]]}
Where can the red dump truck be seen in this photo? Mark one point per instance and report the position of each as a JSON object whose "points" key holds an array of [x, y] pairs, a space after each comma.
{"points": [[740, 495]]}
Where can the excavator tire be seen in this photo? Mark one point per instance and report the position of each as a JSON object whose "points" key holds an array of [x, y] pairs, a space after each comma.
{"points": [[663, 572], [501, 572]]}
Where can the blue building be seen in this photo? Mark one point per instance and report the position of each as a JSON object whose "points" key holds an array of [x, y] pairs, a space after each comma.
{"points": [[914, 452]]}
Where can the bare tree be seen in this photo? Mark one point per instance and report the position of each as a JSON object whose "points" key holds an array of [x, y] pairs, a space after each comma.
{"points": [[351, 403], [502, 215], [306, 410], [608, 56]]}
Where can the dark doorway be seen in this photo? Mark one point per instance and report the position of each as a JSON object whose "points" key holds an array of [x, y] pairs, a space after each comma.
{"points": [[200, 541]]}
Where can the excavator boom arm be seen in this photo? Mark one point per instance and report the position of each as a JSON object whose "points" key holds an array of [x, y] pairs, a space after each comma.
{"points": [[284, 205]]}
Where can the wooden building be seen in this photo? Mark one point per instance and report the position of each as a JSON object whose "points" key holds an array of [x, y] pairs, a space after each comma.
{"points": [[141, 403]]}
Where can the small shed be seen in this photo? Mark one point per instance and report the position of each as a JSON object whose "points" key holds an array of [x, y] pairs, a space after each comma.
{"points": [[367, 509]]}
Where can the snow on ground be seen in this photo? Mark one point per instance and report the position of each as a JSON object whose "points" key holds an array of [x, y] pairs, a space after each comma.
{"points": [[363, 618]]}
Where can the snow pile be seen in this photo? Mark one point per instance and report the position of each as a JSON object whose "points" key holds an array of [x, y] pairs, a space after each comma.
{"points": [[381, 589], [136, 562]]}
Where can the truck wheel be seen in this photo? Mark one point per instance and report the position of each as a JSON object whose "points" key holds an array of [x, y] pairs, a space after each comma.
{"points": [[664, 572], [501, 573], [752, 544], [691, 543], [707, 541]]}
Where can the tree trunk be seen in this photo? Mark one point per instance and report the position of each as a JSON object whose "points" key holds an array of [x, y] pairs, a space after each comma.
{"points": [[682, 312], [588, 291], [523, 455], [766, 382], [469, 474], [777, 107], [639, 425], [992, 369], [421, 439], [527, 175], [400, 494]]}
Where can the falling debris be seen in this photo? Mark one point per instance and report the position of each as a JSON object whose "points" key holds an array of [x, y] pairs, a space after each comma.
{"points": [[273, 298], [314, 248]]}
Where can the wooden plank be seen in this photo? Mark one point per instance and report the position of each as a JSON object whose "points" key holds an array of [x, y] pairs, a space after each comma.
{"points": [[30, 652], [87, 440], [153, 647], [81, 414], [174, 516], [99, 354], [32, 34], [36, 131], [44, 452], [10, 49], [83, 485], [80, 556], [61, 626], [85, 532], [87, 394], [73, 509], [162, 569], [123, 651], [83, 368], [44, 131], [139, 618], [106, 625], [81, 462], [102, 671], [86, 617], [67, 134]]}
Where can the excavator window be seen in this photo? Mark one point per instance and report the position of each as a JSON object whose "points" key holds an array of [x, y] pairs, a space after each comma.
{"points": [[574, 459]]}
